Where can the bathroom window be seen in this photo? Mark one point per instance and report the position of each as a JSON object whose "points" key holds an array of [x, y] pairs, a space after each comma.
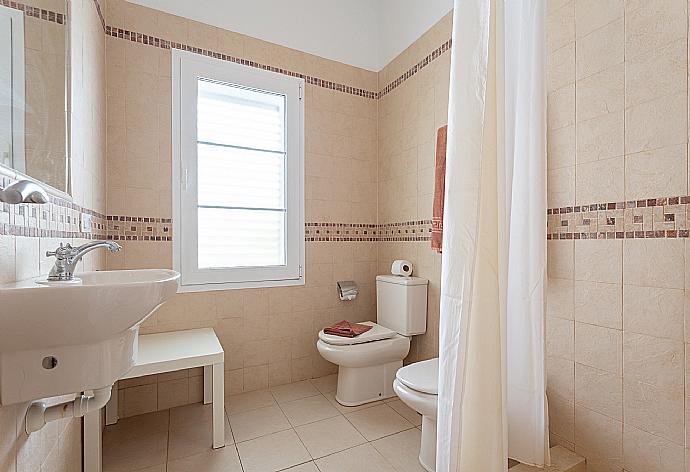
{"points": [[238, 175]]}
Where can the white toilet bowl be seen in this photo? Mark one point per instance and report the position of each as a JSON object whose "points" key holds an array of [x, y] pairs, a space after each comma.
{"points": [[366, 364], [417, 386]]}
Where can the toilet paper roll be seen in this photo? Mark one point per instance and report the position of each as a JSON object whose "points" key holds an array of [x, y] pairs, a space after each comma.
{"points": [[401, 267]]}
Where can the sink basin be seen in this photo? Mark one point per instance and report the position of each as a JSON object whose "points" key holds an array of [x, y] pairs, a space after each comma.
{"points": [[63, 338]]}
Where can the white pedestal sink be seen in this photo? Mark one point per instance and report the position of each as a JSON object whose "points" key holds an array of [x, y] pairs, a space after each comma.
{"points": [[61, 339]]}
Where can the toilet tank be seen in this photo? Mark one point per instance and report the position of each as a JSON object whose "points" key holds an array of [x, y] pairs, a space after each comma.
{"points": [[401, 303]]}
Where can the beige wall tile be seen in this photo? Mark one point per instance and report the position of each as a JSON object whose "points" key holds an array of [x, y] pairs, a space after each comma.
{"points": [[599, 304], [654, 361], [599, 261], [600, 181], [659, 172], [560, 187], [602, 137], [560, 259], [598, 437], [599, 347], [561, 67], [654, 409], [655, 124], [601, 49], [643, 451], [654, 263], [653, 311], [594, 14], [652, 24], [561, 417], [601, 93], [599, 391], [656, 73], [561, 148], [560, 298], [560, 338], [561, 107], [561, 378], [561, 26]]}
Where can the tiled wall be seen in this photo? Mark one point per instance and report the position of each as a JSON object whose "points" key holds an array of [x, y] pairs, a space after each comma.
{"points": [[58, 445], [617, 256], [341, 135], [409, 116], [347, 236]]}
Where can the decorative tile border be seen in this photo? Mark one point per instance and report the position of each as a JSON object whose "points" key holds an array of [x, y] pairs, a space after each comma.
{"points": [[149, 40], [435, 54], [419, 230], [137, 228], [39, 13], [665, 217], [155, 41], [340, 232]]}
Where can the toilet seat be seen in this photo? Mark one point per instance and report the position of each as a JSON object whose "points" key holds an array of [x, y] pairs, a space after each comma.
{"points": [[420, 376], [376, 333]]}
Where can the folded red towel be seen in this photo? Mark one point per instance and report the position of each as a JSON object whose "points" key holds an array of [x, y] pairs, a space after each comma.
{"points": [[346, 329]]}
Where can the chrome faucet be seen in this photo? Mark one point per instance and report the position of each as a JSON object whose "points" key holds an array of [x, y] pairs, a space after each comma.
{"points": [[67, 257]]}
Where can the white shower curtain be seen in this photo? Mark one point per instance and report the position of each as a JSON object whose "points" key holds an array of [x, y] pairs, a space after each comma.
{"points": [[492, 385]]}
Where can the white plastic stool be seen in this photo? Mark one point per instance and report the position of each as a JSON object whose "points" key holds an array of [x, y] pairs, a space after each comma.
{"points": [[160, 353]]}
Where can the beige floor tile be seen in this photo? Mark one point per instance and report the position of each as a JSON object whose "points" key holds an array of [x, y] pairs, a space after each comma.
{"points": [[377, 422], [308, 467], [191, 414], [362, 458], [294, 391], [326, 384], [189, 438], [124, 453], [330, 396], [401, 450], [249, 401], [212, 460], [256, 423], [155, 468], [273, 452], [406, 412], [329, 436], [308, 410], [149, 423]]}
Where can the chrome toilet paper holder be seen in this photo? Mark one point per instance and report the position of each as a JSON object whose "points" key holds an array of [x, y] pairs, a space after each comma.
{"points": [[347, 290]]}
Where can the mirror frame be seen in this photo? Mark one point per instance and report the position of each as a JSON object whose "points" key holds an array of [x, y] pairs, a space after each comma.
{"points": [[15, 174]]}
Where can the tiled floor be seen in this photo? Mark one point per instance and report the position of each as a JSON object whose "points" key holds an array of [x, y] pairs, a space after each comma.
{"points": [[297, 427]]}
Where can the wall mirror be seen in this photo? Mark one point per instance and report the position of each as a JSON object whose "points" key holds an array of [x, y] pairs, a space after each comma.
{"points": [[34, 90]]}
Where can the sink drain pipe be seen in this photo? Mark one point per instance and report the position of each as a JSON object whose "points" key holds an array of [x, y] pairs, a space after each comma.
{"points": [[39, 414]]}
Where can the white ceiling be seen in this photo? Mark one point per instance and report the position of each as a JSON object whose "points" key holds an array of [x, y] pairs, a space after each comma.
{"points": [[362, 33]]}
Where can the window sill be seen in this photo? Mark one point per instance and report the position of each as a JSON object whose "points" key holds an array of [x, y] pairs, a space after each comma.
{"points": [[211, 287]]}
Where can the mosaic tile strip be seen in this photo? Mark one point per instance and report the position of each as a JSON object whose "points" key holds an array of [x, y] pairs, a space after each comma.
{"points": [[137, 228], [419, 230], [340, 232], [665, 217], [162, 43], [39, 13], [435, 54], [154, 41]]}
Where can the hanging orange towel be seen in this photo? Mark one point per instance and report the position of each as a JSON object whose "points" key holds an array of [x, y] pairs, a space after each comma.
{"points": [[346, 329], [439, 190]]}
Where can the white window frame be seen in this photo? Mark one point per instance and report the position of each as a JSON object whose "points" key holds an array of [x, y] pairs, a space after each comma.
{"points": [[187, 69]]}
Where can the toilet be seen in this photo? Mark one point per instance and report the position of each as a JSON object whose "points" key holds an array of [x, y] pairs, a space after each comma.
{"points": [[417, 386], [367, 363]]}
